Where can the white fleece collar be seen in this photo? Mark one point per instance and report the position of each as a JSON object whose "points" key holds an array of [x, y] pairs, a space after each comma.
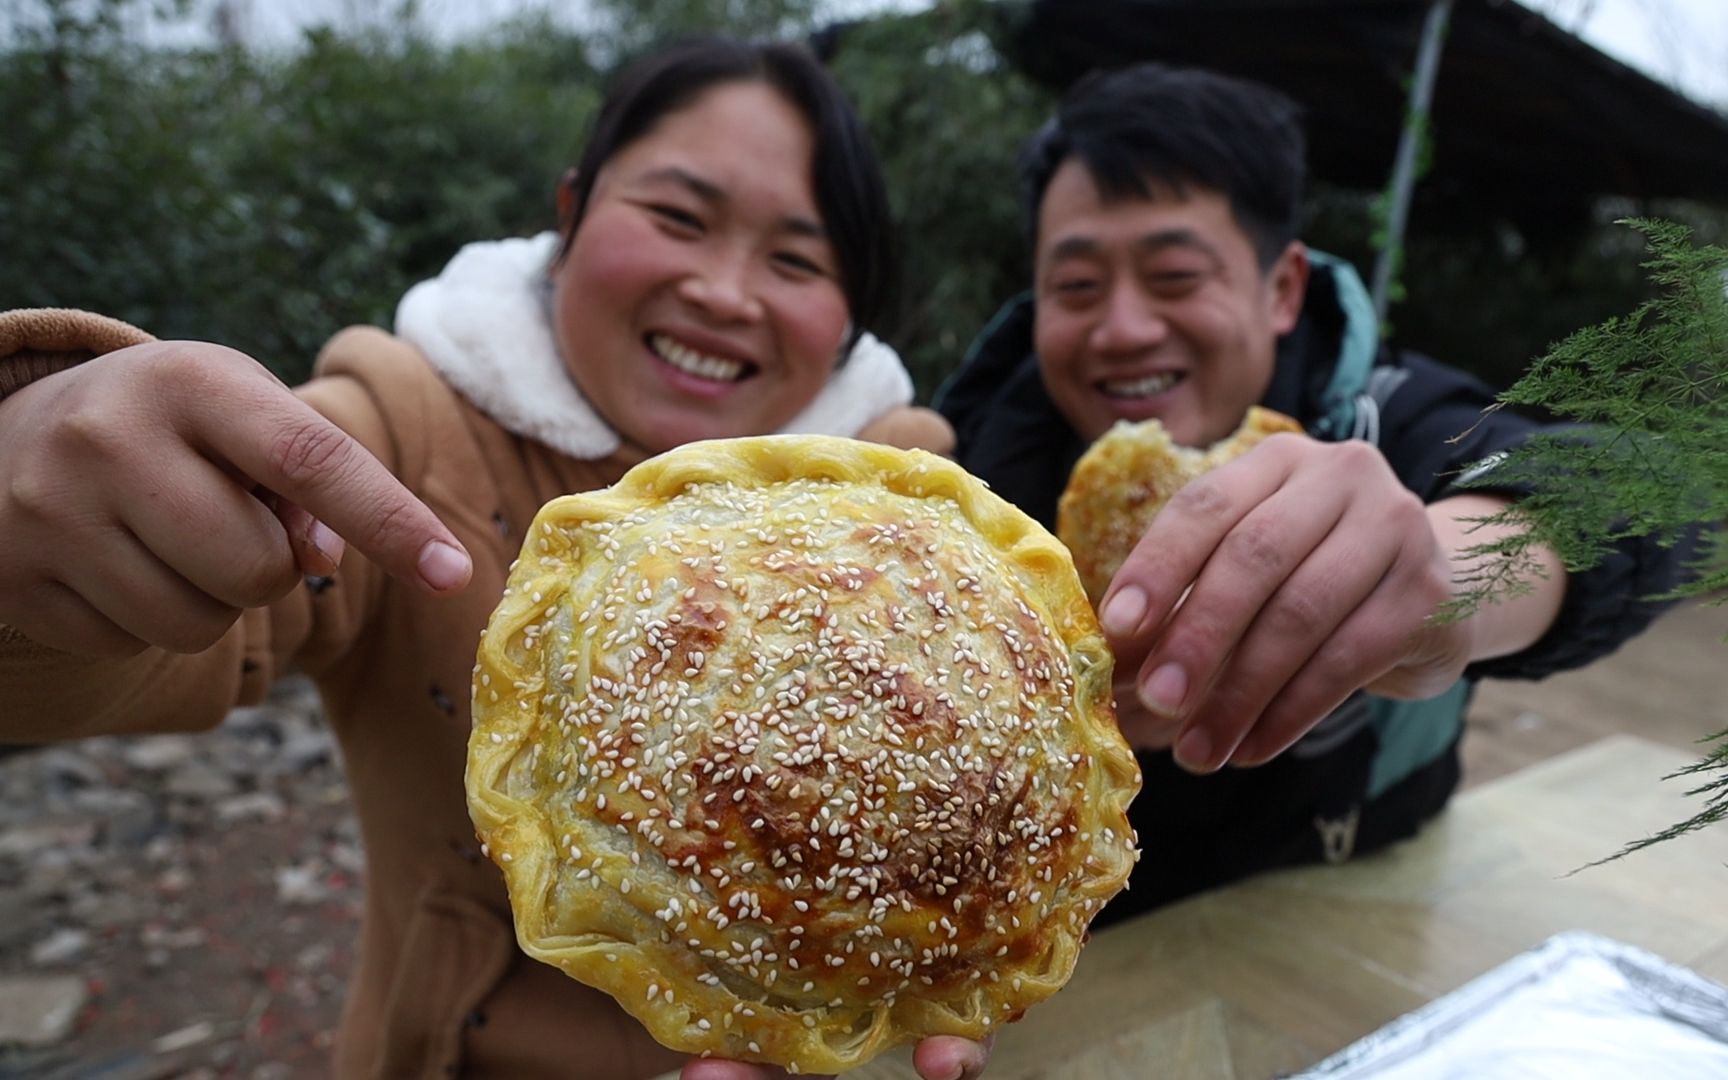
{"points": [[482, 323]]}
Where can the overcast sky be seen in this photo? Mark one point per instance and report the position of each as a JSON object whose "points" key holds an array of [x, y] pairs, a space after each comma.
{"points": [[1684, 43]]}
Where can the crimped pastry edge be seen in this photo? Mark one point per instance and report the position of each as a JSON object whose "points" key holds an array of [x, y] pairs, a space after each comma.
{"points": [[627, 970]]}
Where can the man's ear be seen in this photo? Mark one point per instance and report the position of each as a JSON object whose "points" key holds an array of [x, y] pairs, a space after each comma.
{"points": [[1287, 285], [567, 199]]}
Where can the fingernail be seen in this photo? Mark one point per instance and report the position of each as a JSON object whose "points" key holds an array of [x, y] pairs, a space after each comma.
{"points": [[443, 567], [1194, 750], [1122, 615], [327, 542], [1246, 755], [1164, 690]]}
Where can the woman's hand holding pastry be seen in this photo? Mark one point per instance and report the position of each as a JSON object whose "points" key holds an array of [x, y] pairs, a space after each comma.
{"points": [[940, 1057], [149, 495]]}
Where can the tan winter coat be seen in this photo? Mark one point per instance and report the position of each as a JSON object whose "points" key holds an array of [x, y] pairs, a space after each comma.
{"points": [[441, 988]]}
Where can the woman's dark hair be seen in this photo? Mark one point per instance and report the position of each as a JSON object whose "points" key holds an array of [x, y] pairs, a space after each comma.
{"points": [[844, 173], [1179, 127]]}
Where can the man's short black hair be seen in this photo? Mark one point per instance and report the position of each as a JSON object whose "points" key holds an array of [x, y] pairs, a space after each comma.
{"points": [[1179, 127]]}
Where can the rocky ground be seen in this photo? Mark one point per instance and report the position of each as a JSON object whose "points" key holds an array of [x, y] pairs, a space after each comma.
{"points": [[178, 906]]}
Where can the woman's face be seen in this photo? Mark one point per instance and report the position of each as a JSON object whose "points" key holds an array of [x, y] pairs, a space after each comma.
{"points": [[700, 297]]}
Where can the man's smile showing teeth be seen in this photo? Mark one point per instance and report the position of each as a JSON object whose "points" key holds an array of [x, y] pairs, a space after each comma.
{"points": [[1146, 386], [701, 365]]}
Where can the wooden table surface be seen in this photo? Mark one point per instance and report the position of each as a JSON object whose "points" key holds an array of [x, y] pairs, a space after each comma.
{"points": [[1276, 973]]}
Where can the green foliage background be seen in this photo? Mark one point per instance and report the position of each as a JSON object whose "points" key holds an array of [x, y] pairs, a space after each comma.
{"points": [[1649, 458], [264, 200]]}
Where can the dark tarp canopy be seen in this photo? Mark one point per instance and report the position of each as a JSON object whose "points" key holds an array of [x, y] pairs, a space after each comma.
{"points": [[1526, 117]]}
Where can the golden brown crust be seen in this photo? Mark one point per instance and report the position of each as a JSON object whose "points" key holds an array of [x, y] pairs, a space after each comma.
{"points": [[1124, 479], [801, 748]]}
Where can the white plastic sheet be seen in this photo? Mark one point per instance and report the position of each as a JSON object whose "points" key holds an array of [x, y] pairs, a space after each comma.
{"points": [[1580, 1007]]}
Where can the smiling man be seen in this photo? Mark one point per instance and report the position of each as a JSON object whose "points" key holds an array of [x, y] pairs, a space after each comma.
{"points": [[1277, 613]]}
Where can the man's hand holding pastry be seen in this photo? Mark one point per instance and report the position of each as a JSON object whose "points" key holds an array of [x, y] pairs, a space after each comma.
{"points": [[1267, 591]]}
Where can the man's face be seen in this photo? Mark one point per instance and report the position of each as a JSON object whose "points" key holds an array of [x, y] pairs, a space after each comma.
{"points": [[1156, 307]]}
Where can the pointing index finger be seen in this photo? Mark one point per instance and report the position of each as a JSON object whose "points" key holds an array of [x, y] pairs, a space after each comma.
{"points": [[283, 444]]}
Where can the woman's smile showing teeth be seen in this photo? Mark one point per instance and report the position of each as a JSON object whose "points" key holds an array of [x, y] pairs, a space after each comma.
{"points": [[701, 365], [1145, 386]]}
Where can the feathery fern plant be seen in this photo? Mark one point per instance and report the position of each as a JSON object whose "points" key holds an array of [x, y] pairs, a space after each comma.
{"points": [[1650, 457]]}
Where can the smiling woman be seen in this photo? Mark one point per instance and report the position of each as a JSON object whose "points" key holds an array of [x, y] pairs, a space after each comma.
{"points": [[723, 245], [723, 242], [700, 296]]}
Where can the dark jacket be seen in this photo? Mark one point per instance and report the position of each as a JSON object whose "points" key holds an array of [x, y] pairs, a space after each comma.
{"points": [[1340, 790]]}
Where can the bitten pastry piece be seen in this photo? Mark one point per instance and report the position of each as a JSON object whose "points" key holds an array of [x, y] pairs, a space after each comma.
{"points": [[800, 747], [1124, 479]]}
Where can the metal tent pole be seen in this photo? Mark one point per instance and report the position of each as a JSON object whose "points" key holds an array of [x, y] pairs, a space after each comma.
{"points": [[1434, 26]]}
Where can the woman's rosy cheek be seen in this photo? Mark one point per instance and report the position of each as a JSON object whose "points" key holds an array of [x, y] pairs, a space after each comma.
{"points": [[819, 329]]}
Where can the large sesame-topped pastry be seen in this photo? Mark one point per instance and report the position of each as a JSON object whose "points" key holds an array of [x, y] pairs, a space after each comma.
{"points": [[1123, 480], [800, 747]]}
